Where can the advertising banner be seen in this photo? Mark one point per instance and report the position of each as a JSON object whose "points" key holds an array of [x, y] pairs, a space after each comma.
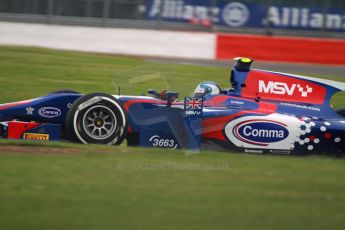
{"points": [[239, 14]]}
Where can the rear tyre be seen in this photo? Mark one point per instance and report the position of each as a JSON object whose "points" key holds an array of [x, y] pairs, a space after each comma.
{"points": [[97, 118], [341, 112]]}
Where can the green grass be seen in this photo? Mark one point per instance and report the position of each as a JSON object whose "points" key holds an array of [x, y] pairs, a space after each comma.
{"points": [[33, 72], [115, 187], [132, 188]]}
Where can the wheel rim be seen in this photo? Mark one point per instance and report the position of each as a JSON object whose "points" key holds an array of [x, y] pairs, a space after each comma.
{"points": [[99, 122]]}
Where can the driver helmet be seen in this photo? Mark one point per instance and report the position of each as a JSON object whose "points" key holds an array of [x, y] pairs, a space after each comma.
{"points": [[206, 88]]}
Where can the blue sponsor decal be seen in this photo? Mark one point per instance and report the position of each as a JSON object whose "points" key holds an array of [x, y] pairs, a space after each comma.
{"points": [[49, 112], [162, 142], [260, 132], [241, 14], [193, 107], [152, 137], [233, 14]]}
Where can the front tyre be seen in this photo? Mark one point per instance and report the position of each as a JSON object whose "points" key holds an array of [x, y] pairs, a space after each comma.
{"points": [[97, 119]]}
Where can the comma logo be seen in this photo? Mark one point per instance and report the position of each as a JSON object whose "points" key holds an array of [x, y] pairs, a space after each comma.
{"points": [[235, 14], [49, 112], [260, 132]]}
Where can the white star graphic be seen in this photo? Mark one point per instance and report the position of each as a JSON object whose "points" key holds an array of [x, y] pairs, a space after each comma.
{"points": [[30, 111]]}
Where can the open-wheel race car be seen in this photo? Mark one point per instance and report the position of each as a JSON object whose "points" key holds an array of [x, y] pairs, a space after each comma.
{"points": [[262, 112]]}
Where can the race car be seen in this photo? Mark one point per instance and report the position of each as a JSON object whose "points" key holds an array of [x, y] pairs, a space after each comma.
{"points": [[262, 112]]}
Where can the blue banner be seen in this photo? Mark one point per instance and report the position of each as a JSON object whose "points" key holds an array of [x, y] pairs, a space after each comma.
{"points": [[238, 14]]}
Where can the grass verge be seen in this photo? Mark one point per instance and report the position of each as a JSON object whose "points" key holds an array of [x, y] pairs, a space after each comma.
{"points": [[115, 187]]}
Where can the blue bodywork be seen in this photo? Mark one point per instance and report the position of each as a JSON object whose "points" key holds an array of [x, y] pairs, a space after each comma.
{"points": [[263, 112], [29, 110]]}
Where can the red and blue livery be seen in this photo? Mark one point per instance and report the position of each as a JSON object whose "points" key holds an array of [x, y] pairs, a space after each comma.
{"points": [[262, 112]]}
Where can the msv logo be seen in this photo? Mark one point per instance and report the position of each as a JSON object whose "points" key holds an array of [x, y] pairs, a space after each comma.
{"points": [[193, 106], [260, 132], [282, 88], [49, 112]]}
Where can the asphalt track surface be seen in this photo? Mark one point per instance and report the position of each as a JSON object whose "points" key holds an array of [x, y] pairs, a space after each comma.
{"points": [[294, 68]]}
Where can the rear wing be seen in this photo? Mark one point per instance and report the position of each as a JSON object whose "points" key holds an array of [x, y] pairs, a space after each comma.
{"points": [[276, 86]]}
